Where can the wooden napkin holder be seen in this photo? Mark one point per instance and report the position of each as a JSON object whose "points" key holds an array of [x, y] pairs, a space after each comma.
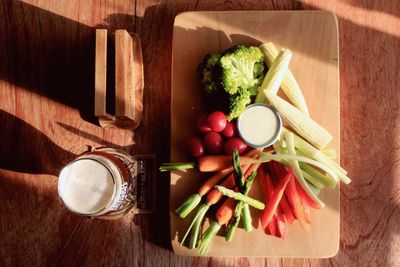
{"points": [[124, 106]]}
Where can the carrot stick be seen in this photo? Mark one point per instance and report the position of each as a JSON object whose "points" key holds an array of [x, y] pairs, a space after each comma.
{"points": [[223, 215], [217, 163], [213, 180], [276, 197]]}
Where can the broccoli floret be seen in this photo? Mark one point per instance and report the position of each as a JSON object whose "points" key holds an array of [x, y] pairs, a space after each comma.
{"points": [[242, 68], [237, 103], [208, 71]]}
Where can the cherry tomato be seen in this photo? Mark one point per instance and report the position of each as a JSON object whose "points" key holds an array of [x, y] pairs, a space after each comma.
{"points": [[202, 125], [230, 129], [234, 143], [217, 121], [213, 142], [195, 147]]}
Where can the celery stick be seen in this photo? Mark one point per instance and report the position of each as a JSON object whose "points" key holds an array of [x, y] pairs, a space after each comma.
{"points": [[330, 153], [195, 226], [247, 223], [187, 206], [312, 180], [281, 157], [327, 181], [177, 166], [208, 236], [296, 168]]}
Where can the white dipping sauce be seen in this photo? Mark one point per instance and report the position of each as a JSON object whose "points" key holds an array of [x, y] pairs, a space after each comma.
{"points": [[259, 125]]}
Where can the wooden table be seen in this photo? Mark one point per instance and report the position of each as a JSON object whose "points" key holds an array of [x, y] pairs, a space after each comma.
{"points": [[46, 82]]}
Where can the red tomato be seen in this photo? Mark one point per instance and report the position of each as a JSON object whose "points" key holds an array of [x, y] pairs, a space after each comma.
{"points": [[213, 142], [230, 129], [202, 125], [234, 143], [217, 121], [195, 147]]}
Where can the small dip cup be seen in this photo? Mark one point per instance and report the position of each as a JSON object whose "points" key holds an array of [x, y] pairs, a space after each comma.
{"points": [[258, 117]]}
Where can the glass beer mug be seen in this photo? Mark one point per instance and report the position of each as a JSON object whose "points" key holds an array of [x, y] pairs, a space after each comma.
{"points": [[106, 183]]}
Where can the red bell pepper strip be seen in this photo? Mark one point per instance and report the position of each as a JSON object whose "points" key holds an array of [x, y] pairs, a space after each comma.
{"points": [[273, 203], [280, 223], [268, 189], [278, 170], [295, 201], [305, 198]]}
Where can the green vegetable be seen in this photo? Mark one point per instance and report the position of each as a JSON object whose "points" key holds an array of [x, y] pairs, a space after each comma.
{"points": [[188, 205], [241, 209], [165, 167], [208, 236], [194, 227], [209, 74], [297, 171], [239, 196], [231, 79], [242, 69], [275, 75]]}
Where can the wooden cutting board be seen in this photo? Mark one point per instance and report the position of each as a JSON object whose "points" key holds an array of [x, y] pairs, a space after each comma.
{"points": [[312, 36]]}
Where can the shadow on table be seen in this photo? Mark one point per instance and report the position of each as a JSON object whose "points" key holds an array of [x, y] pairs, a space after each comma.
{"points": [[28, 150]]}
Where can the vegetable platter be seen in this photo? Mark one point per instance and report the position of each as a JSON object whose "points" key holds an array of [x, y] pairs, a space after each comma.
{"points": [[312, 37]]}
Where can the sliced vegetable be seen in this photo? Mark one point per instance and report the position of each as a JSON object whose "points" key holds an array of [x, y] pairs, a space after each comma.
{"points": [[295, 201], [273, 202], [316, 154], [277, 71], [297, 172], [323, 179], [305, 198], [301, 123], [289, 84], [239, 210], [223, 215]]}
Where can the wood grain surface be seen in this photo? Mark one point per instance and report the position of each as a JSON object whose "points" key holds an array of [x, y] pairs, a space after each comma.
{"points": [[46, 102], [315, 66]]}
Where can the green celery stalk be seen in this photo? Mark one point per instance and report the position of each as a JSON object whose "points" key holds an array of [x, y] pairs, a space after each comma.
{"points": [[194, 227], [289, 138], [247, 224], [187, 206], [208, 237], [177, 166], [327, 181]]}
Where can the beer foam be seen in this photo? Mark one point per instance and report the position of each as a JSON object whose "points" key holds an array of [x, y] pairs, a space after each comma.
{"points": [[86, 186]]}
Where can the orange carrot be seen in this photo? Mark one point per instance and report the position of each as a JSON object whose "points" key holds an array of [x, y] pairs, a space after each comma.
{"points": [[226, 211], [213, 180], [215, 195], [218, 163]]}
